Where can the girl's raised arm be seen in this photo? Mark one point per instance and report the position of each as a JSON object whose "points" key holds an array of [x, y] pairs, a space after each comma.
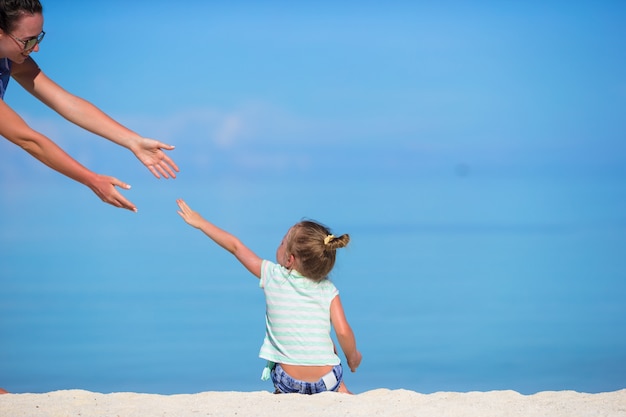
{"points": [[226, 240]]}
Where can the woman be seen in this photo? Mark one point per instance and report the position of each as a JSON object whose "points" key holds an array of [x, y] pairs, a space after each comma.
{"points": [[21, 31]]}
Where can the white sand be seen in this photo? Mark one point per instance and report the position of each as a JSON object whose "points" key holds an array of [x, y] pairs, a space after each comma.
{"points": [[380, 402]]}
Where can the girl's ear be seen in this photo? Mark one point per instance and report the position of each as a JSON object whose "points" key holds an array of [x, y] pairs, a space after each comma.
{"points": [[291, 260]]}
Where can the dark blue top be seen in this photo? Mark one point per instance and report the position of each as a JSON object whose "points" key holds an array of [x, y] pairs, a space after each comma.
{"points": [[5, 75]]}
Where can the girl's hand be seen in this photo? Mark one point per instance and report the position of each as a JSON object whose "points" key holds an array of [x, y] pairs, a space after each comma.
{"points": [[354, 362], [191, 217], [150, 153], [104, 187]]}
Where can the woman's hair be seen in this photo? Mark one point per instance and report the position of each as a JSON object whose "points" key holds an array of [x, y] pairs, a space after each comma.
{"points": [[314, 248], [12, 10]]}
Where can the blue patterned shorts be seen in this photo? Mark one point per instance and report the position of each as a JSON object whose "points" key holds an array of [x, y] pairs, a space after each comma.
{"points": [[284, 383]]}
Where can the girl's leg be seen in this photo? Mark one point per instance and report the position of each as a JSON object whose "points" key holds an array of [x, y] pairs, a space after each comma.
{"points": [[343, 389]]}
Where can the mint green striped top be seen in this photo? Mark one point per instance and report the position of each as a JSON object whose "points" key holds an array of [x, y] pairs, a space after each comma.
{"points": [[297, 318]]}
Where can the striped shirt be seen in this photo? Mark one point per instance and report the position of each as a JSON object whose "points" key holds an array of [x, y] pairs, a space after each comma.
{"points": [[297, 319]]}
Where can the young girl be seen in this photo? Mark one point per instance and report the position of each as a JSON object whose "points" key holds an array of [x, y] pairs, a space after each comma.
{"points": [[301, 305]]}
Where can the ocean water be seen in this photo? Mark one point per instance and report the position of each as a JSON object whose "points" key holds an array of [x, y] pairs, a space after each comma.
{"points": [[451, 283]]}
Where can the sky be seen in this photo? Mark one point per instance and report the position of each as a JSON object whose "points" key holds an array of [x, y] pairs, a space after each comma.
{"points": [[408, 88]]}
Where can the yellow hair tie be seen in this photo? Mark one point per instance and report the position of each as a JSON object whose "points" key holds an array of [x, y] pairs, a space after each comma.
{"points": [[328, 238]]}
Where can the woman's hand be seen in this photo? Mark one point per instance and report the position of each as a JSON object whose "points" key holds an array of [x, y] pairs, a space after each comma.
{"points": [[104, 187], [150, 153]]}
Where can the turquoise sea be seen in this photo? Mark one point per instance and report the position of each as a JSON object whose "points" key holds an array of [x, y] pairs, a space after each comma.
{"points": [[462, 281]]}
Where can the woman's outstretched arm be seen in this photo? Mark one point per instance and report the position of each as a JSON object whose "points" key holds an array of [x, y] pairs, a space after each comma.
{"points": [[15, 129], [86, 115]]}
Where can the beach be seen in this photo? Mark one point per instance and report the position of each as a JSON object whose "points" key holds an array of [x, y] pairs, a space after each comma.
{"points": [[378, 402]]}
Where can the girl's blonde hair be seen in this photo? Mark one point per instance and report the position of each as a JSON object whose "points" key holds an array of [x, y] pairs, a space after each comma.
{"points": [[314, 248]]}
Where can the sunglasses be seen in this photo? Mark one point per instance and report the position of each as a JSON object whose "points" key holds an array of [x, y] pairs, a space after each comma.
{"points": [[30, 43]]}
